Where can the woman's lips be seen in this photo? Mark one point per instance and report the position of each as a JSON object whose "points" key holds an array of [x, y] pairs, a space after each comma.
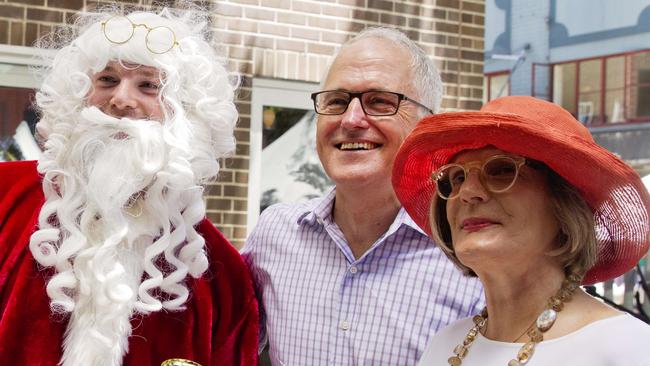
{"points": [[475, 224]]}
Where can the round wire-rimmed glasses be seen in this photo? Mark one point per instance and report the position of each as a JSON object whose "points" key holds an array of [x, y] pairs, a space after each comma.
{"points": [[498, 174], [120, 29]]}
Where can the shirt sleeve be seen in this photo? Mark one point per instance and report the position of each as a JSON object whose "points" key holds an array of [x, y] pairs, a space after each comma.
{"points": [[248, 253]]}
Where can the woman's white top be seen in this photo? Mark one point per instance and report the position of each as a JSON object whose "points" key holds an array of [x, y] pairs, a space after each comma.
{"points": [[620, 340]]}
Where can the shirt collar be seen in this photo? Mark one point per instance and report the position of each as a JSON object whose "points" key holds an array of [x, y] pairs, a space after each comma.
{"points": [[320, 210]]}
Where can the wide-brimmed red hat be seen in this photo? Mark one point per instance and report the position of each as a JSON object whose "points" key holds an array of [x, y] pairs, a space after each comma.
{"points": [[545, 132]]}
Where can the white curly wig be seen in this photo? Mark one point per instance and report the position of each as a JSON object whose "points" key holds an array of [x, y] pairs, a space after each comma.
{"points": [[123, 196]]}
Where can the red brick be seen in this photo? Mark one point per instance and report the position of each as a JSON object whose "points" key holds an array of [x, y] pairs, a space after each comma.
{"points": [[31, 33], [9, 11], [336, 11], [470, 105], [454, 4], [448, 77], [4, 31], [235, 218], [472, 55], [234, 191], [337, 38], [370, 16], [225, 176], [281, 4], [45, 15], [380, 4], [274, 29], [213, 190], [321, 22], [241, 177], [228, 10], [27, 2], [292, 18], [350, 26], [306, 7], [407, 9], [242, 25], [471, 31], [242, 149], [261, 14], [305, 33], [219, 204], [17, 34], [434, 38], [237, 163], [446, 52], [65, 4], [320, 49], [392, 19], [446, 27], [258, 41], [477, 8], [289, 45], [420, 24]]}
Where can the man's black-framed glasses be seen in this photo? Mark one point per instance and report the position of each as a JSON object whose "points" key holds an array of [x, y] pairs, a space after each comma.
{"points": [[373, 103]]}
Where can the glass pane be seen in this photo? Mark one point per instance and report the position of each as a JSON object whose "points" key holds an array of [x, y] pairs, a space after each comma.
{"points": [[639, 91], [589, 97], [614, 106], [564, 86], [291, 170], [17, 123], [590, 76], [498, 86], [615, 70]]}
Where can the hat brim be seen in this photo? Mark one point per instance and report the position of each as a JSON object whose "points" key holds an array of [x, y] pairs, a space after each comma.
{"points": [[610, 187]]}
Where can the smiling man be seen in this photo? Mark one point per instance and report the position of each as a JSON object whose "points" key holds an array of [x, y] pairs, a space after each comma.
{"points": [[349, 278], [106, 257]]}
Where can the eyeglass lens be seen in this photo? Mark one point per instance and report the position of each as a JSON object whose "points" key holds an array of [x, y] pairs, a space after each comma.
{"points": [[374, 103], [118, 29], [497, 174]]}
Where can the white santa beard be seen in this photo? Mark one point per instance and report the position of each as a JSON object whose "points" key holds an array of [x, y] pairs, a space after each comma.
{"points": [[111, 164]]}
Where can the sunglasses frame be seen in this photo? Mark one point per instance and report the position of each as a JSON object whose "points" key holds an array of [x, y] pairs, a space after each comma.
{"points": [[518, 161]]}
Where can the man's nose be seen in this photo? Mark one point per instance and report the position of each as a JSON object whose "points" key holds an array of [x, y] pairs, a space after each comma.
{"points": [[354, 117], [124, 97]]}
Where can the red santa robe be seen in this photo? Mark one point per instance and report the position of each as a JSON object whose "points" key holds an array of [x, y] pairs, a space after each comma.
{"points": [[218, 327]]}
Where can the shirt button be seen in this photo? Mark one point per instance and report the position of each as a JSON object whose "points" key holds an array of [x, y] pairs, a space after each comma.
{"points": [[344, 325], [354, 269]]}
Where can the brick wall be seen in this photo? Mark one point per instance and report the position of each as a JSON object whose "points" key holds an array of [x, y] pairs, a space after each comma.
{"points": [[294, 39]]}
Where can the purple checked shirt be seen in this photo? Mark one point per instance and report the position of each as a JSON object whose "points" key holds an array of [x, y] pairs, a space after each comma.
{"points": [[324, 307]]}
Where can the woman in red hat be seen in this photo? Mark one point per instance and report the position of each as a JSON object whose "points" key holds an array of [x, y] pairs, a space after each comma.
{"points": [[520, 195]]}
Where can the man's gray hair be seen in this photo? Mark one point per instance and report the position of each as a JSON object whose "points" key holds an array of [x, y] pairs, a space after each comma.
{"points": [[426, 79]]}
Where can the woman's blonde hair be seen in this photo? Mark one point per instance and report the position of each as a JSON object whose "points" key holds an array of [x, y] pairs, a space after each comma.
{"points": [[576, 240]]}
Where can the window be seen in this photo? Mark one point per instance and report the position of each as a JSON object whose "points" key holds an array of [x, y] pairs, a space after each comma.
{"points": [[497, 85], [284, 165], [605, 90], [17, 117]]}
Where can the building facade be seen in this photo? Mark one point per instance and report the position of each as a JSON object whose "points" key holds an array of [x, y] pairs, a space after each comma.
{"points": [[282, 49], [590, 56]]}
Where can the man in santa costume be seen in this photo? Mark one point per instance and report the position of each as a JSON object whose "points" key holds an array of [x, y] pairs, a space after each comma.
{"points": [[106, 257]]}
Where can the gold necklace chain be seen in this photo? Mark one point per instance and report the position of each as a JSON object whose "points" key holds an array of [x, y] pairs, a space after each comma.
{"points": [[543, 323]]}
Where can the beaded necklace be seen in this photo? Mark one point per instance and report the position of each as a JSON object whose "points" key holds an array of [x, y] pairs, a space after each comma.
{"points": [[535, 333]]}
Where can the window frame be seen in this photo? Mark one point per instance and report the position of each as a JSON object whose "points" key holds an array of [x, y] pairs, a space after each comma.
{"points": [[280, 93], [599, 119], [488, 81]]}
